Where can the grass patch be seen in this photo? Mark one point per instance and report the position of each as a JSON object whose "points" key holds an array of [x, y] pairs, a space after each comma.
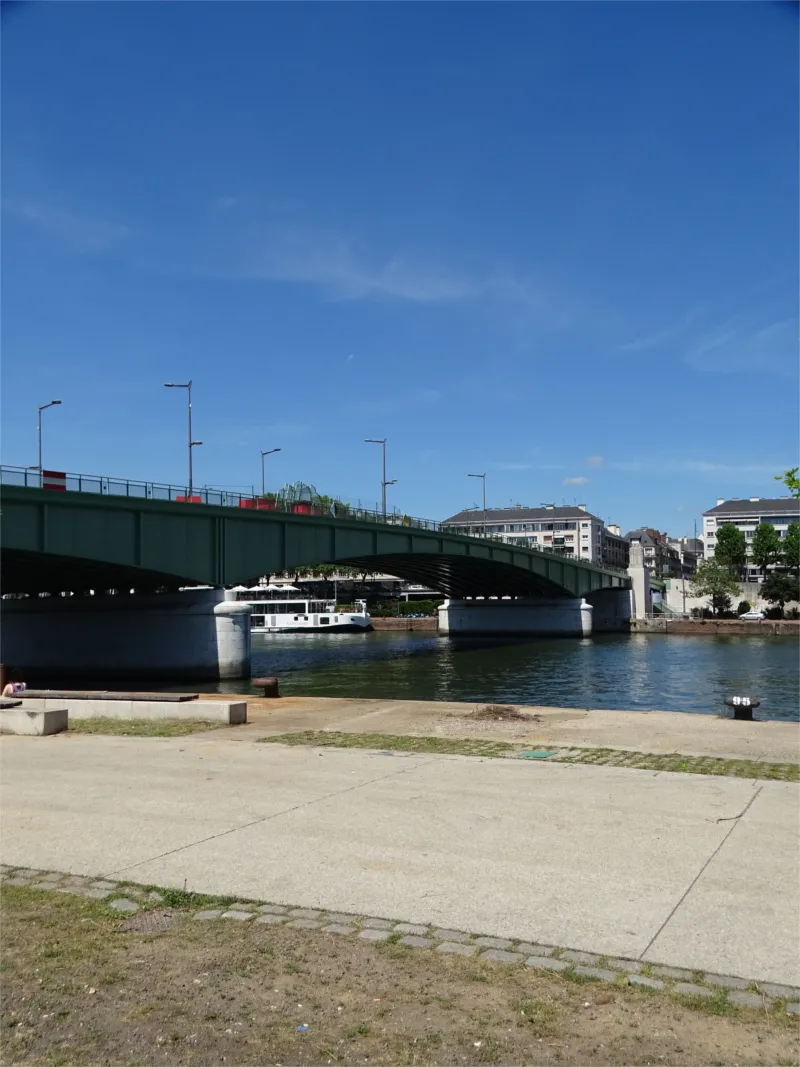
{"points": [[602, 757], [448, 746], [80, 989], [141, 727]]}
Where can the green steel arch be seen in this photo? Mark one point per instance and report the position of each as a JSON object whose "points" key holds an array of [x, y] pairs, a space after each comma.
{"points": [[52, 541]]}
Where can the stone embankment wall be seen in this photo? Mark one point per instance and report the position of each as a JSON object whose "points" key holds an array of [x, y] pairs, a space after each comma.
{"points": [[428, 623], [713, 627]]}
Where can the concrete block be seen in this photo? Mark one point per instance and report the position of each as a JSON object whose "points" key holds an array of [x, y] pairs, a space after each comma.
{"points": [[304, 924], [630, 966], [340, 917], [450, 935], [793, 1009], [543, 963], [33, 722], [643, 980], [727, 981], [527, 949], [746, 1000], [232, 712], [94, 894], [384, 924], [587, 958], [375, 935], [493, 942], [123, 904], [304, 913], [339, 928], [240, 916], [780, 991], [205, 916], [408, 928], [271, 920], [455, 949], [600, 974], [689, 989], [417, 942], [497, 955], [272, 909]]}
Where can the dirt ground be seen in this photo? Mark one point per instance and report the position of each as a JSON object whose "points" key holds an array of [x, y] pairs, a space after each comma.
{"points": [[77, 988]]}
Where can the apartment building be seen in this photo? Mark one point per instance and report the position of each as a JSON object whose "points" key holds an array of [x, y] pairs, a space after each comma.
{"points": [[690, 550], [570, 531], [780, 512], [660, 557]]}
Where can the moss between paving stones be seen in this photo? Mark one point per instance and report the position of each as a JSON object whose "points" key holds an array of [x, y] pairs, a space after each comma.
{"points": [[708, 993], [603, 757]]}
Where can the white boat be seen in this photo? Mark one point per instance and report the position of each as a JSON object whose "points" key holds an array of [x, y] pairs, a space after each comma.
{"points": [[279, 609]]}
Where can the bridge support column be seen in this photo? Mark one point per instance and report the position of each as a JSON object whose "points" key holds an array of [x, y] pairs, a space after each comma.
{"points": [[611, 611], [192, 636], [522, 617]]}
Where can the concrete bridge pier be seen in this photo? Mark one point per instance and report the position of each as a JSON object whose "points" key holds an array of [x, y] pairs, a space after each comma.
{"points": [[191, 636], [522, 616], [611, 610]]}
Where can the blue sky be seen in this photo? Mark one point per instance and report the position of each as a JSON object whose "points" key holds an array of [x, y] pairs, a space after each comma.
{"points": [[554, 242]]}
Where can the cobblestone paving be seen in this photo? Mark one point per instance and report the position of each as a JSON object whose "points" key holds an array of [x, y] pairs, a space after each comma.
{"points": [[126, 899]]}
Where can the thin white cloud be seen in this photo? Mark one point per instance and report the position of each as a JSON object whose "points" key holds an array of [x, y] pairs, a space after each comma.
{"points": [[580, 480], [350, 358], [513, 465], [84, 233], [738, 345], [595, 461]]}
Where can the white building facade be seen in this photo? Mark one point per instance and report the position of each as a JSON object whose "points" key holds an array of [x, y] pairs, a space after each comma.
{"points": [[570, 531], [747, 515]]}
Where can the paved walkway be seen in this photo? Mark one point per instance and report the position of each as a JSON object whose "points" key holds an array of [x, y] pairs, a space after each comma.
{"points": [[689, 871], [642, 731]]}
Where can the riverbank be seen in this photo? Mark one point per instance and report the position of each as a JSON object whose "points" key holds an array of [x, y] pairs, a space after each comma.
{"points": [[429, 622], [717, 627], [636, 731]]}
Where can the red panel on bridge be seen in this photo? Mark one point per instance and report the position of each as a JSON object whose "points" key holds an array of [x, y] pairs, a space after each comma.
{"points": [[54, 480]]}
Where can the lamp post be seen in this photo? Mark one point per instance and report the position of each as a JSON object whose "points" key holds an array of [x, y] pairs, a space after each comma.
{"points": [[382, 442], [268, 452], [41, 408], [483, 477], [192, 444]]}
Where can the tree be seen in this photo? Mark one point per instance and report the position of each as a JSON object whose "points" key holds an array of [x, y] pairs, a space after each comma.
{"points": [[791, 547], [731, 550], [790, 480], [766, 548], [779, 587], [714, 580]]}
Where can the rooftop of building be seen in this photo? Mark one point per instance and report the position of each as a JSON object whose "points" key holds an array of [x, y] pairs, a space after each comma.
{"points": [[518, 513], [757, 505]]}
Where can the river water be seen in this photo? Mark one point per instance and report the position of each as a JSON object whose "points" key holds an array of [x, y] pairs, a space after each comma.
{"points": [[639, 672]]}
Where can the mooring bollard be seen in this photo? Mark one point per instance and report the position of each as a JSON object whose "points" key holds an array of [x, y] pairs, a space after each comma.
{"points": [[270, 686], [743, 707]]}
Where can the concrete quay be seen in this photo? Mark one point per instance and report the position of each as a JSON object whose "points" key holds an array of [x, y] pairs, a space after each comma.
{"points": [[681, 870], [651, 731]]}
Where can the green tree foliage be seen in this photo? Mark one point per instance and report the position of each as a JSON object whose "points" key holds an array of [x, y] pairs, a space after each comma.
{"points": [[731, 549], [778, 588], [714, 580], [766, 546], [744, 605], [791, 547], [791, 480]]}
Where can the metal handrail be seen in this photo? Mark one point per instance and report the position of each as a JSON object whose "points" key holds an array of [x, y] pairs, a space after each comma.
{"points": [[33, 478]]}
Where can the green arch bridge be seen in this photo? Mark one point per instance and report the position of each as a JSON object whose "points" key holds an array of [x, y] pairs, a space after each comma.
{"points": [[98, 533]]}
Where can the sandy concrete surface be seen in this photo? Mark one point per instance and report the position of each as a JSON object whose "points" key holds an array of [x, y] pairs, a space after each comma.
{"points": [[651, 731], [693, 871]]}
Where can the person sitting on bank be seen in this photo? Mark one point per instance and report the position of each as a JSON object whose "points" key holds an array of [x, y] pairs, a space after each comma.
{"points": [[14, 685]]}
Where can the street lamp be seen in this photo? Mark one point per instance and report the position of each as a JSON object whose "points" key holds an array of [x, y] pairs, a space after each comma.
{"points": [[268, 452], [482, 476], [41, 408], [382, 442], [192, 444]]}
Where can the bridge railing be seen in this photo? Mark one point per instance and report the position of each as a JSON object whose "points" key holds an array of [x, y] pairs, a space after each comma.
{"points": [[32, 477]]}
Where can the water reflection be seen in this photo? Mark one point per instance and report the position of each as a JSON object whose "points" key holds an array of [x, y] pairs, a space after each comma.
{"points": [[638, 672]]}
